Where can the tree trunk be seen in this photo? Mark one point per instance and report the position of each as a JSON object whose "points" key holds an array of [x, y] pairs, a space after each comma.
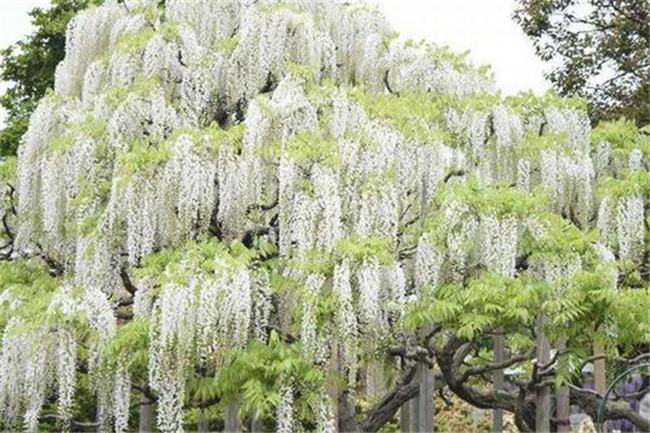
{"points": [[499, 356], [146, 418], [563, 404], [232, 424], [543, 399]]}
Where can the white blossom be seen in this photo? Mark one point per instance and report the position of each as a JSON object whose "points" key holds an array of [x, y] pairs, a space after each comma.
{"points": [[284, 412]]}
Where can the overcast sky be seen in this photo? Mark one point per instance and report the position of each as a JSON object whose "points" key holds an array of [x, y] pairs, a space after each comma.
{"points": [[484, 27]]}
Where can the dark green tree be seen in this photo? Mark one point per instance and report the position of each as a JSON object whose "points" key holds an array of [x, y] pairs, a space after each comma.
{"points": [[599, 49], [29, 67]]}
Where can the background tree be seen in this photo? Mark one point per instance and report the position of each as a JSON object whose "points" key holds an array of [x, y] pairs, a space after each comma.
{"points": [[28, 66], [598, 49]]}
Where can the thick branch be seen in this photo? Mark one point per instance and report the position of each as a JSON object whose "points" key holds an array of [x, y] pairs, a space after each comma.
{"points": [[388, 406], [79, 424], [475, 371], [126, 280], [588, 400]]}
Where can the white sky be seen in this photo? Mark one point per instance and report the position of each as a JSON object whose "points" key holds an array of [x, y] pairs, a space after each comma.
{"points": [[484, 27]]}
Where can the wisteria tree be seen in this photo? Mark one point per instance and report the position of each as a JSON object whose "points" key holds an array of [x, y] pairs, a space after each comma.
{"points": [[281, 216]]}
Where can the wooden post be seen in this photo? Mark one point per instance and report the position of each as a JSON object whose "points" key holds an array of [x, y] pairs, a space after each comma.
{"points": [[347, 414], [414, 410], [232, 424], [146, 412], [333, 388], [257, 423], [543, 399], [563, 404], [425, 407], [600, 378], [202, 424], [405, 417], [499, 356], [599, 369]]}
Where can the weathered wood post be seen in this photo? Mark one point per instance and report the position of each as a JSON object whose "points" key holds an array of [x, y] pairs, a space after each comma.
{"points": [[497, 377], [543, 399], [232, 424]]}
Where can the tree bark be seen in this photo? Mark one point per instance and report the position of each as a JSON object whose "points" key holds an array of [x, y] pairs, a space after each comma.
{"points": [[400, 397], [589, 401], [499, 356], [543, 397]]}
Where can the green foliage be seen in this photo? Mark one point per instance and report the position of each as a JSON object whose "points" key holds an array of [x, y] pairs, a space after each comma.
{"points": [[29, 66], [258, 372], [227, 45], [313, 146], [26, 289], [193, 256], [414, 114], [358, 249], [142, 87], [143, 157], [528, 102], [623, 136], [630, 183], [135, 41], [484, 302], [131, 345], [8, 169]]}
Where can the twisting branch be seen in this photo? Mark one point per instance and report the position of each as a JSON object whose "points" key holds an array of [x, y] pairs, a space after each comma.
{"points": [[588, 400], [404, 391], [80, 424], [127, 282], [269, 206], [474, 371], [453, 173], [56, 268], [387, 84]]}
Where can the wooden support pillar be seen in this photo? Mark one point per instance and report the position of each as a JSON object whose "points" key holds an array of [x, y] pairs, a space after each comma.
{"points": [[202, 424], [424, 403], [599, 369], [543, 399], [497, 377], [257, 423], [347, 414], [405, 417], [232, 424], [333, 389], [146, 415], [563, 404], [600, 376]]}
